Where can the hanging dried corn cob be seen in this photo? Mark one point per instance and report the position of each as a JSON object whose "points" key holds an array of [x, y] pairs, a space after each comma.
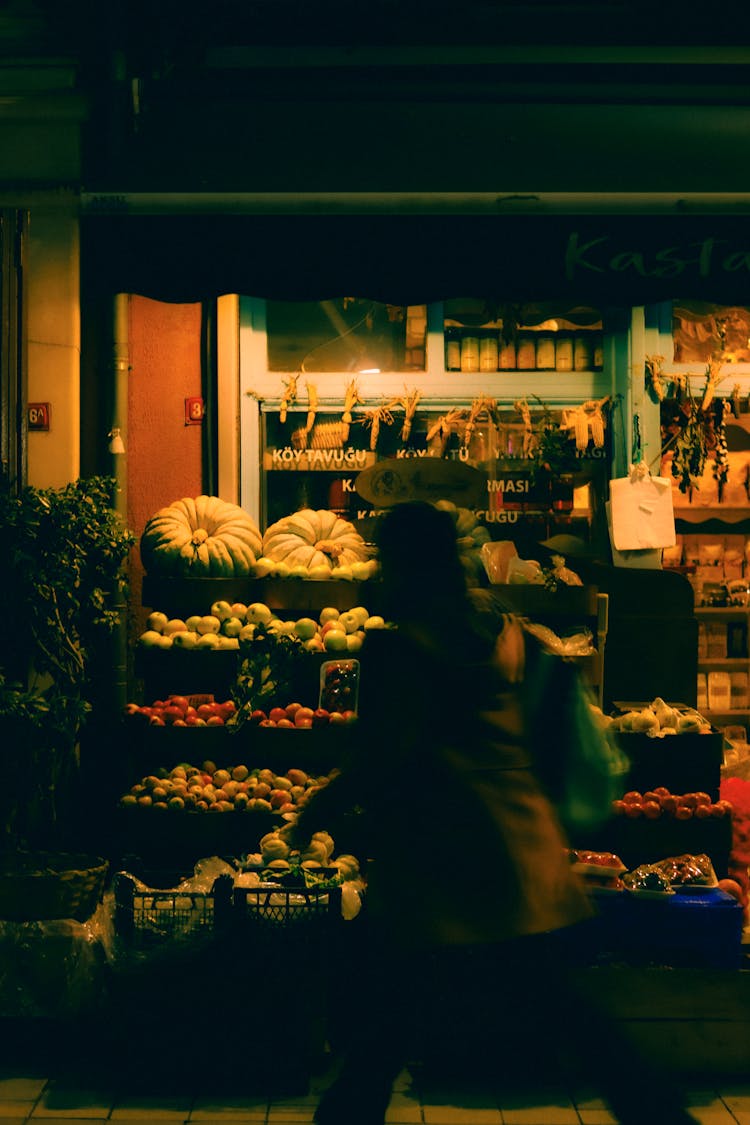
{"points": [[481, 407], [524, 410], [736, 400], [312, 405], [586, 422], [351, 399], [409, 403], [441, 430], [655, 375], [381, 415], [289, 397], [713, 378]]}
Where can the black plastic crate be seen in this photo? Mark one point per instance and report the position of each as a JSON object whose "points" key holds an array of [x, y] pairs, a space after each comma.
{"points": [[147, 917]]}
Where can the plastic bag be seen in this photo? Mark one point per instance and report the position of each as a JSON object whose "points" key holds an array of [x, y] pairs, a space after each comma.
{"points": [[577, 757]]}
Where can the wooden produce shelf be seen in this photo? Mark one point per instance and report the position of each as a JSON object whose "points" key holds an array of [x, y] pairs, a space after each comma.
{"points": [[291, 596]]}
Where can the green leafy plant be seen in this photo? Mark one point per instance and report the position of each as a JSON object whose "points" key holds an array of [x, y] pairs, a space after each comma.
{"points": [[268, 665], [61, 582]]}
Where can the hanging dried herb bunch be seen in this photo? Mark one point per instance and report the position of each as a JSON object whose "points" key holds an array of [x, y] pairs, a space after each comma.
{"points": [[694, 430]]}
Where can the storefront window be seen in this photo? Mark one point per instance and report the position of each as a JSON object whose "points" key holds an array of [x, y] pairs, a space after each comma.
{"points": [[703, 331], [347, 334]]}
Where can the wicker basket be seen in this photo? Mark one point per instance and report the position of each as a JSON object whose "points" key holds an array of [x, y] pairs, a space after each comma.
{"points": [[40, 885]]}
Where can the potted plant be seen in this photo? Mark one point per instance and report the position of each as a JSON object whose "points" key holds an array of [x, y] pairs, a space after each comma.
{"points": [[62, 580]]}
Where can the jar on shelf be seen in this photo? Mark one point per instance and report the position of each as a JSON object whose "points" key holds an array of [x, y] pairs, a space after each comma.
{"points": [[598, 351], [545, 352], [470, 353], [507, 356], [526, 352], [452, 349], [564, 352], [488, 352], [583, 352]]}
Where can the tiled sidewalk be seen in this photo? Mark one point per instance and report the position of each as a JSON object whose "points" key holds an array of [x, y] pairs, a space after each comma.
{"points": [[37, 1100]]}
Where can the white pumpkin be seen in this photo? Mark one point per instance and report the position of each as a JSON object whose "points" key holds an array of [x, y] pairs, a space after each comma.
{"points": [[205, 537], [319, 541]]}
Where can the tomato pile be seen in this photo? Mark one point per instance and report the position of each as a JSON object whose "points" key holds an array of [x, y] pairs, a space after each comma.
{"points": [[656, 803]]}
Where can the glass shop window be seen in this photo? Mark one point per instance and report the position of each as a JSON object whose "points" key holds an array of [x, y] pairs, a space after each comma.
{"points": [[703, 331], [347, 334]]}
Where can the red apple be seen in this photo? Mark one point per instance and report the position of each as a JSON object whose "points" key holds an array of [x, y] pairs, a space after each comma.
{"points": [[278, 797], [215, 721], [131, 708], [277, 713], [262, 789], [156, 721], [180, 701], [320, 718], [266, 723], [632, 797], [303, 716], [171, 713], [618, 807], [257, 716], [292, 709], [335, 718], [651, 810], [205, 711], [303, 723], [349, 716], [285, 723], [683, 812]]}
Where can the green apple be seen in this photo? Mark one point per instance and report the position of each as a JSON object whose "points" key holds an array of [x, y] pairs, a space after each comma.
{"points": [[247, 633], [150, 639], [305, 628], [258, 613], [314, 644], [207, 640], [354, 642], [191, 622], [343, 573], [208, 624], [156, 621], [360, 571], [350, 621], [328, 613], [174, 625], [374, 622], [298, 571], [360, 613], [239, 609], [185, 639], [263, 567], [231, 626], [164, 641], [223, 642], [281, 570], [221, 609], [335, 641]]}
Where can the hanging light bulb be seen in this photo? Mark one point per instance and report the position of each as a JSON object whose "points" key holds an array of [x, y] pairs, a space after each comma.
{"points": [[116, 444]]}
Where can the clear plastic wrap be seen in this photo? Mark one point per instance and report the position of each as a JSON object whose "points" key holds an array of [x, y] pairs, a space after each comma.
{"points": [[55, 968]]}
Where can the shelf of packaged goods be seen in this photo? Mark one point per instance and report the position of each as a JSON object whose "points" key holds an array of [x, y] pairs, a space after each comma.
{"points": [[721, 610], [699, 514], [725, 713], [722, 662]]}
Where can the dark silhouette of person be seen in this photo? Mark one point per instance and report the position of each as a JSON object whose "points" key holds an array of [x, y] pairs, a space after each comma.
{"points": [[468, 877]]}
